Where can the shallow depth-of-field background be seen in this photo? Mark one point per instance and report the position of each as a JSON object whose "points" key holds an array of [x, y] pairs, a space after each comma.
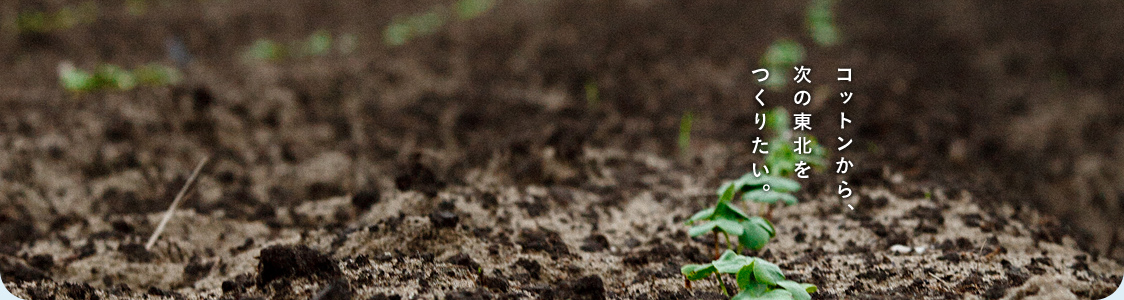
{"points": [[529, 149]]}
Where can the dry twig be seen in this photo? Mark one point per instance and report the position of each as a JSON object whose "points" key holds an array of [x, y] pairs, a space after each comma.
{"points": [[172, 208]]}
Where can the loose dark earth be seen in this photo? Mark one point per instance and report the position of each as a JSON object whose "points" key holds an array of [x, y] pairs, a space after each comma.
{"points": [[471, 164]]}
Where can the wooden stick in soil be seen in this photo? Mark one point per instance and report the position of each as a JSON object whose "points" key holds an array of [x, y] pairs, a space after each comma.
{"points": [[176, 201]]}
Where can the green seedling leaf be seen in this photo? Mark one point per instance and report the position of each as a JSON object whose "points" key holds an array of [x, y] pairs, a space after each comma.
{"points": [[696, 272], [746, 282], [731, 263], [810, 288], [721, 211], [728, 226], [725, 210], [762, 223], [770, 295], [701, 215], [767, 272], [75, 80], [798, 290], [725, 186], [758, 231], [698, 230]]}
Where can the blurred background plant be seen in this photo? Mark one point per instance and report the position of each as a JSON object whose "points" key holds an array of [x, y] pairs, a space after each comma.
{"points": [[407, 27], [317, 44], [39, 21], [113, 77]]}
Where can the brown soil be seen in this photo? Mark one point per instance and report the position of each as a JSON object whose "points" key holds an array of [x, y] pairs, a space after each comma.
{"points": [[468, 165]]}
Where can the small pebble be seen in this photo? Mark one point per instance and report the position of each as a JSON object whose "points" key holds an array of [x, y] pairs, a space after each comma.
{"points": [[901, 249]]}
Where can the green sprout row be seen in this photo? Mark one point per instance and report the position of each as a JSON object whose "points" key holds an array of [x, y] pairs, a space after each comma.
{"points": [[36, 21], [319, 43], [756, 278], [113, 77], [405, 28]]}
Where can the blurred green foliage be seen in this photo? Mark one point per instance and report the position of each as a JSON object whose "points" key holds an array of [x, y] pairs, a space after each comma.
{"points": [[265, 49], [469, 9], [113, 77], [592, 94], [781, 56], [405, 28], [685, 132], [781, 158], [35, 21], [821, 22], [319, 43]]}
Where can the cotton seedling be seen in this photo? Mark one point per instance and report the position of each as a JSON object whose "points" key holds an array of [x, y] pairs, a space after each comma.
{"points": [[782, 158], [774, 187], [763, 189], [756, 278], [724, 218]]}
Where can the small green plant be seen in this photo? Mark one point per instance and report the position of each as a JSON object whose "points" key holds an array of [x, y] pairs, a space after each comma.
{"points": [[726, 219], [781, 158], [756, 278], [774, 187]]}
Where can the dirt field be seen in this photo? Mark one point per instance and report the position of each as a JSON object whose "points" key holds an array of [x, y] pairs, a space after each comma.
{"points": [[470, 163]]}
